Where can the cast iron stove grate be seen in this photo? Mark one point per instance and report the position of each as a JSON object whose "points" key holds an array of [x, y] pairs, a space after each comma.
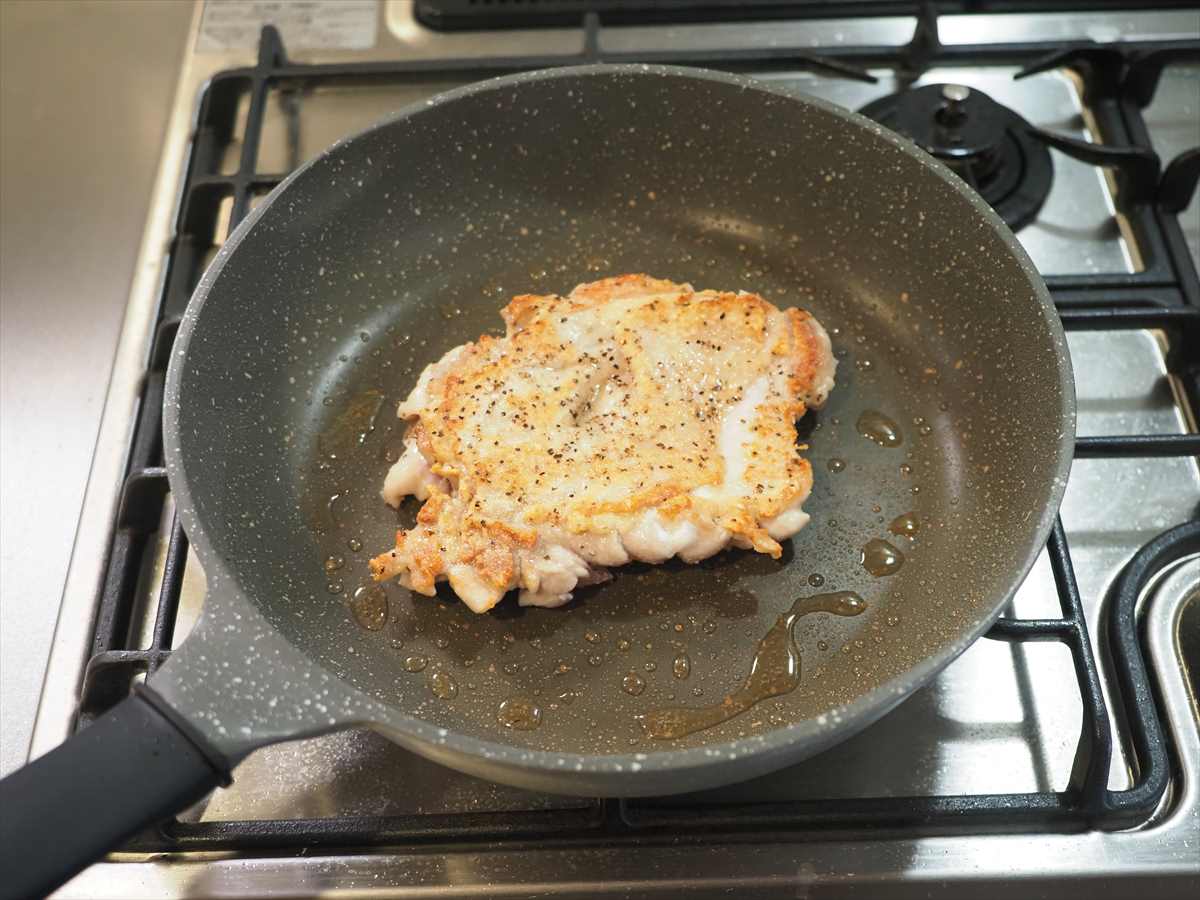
{"points": [[1165, 295]]}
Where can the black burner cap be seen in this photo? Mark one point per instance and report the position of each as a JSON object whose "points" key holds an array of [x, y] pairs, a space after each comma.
{"points": [[987, 144]]}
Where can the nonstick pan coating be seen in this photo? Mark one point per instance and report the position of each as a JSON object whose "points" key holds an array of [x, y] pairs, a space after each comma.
{"points": [[407, 240]]}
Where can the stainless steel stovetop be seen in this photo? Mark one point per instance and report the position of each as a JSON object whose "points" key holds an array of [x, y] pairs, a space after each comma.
{"points": [[1004, 718]]}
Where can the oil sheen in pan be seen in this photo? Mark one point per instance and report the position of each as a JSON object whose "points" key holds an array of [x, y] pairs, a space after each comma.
{"points": [[775, 670], [665, 630]]}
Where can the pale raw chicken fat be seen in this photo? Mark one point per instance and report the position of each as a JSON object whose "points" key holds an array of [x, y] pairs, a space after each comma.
{"points": [[632, 419]]}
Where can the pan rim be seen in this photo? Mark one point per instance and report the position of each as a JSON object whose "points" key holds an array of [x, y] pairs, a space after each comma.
{"points": [[840, 722]]}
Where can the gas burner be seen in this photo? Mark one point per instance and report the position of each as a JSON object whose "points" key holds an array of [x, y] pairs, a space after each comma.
{"points": [[988, 145]]}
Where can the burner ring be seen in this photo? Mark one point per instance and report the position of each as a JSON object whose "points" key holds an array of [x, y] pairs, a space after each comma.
{"points": [[986, 144]]}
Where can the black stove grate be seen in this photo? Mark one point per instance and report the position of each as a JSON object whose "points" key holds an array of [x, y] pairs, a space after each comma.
{"points": [[1166, 296]]}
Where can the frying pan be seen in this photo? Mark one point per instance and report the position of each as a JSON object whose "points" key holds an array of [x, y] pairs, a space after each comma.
{"points": [[396, 245]]}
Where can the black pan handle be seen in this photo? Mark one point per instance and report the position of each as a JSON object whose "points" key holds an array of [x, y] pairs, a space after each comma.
{"points": [[134, 766]]}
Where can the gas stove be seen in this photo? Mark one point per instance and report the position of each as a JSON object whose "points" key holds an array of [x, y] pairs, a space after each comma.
{"points": [[1062, 751]]}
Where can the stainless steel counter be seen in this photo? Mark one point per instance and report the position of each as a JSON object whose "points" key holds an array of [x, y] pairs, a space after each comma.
{"points": [[85, 92]]}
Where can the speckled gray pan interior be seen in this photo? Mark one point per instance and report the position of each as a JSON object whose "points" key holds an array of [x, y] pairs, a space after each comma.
{"points": [[406, 240]]}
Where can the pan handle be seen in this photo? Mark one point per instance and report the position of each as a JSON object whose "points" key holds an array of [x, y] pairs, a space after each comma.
{"points": [[134, 766]]}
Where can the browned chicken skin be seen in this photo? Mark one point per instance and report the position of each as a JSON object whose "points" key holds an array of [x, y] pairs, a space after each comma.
{"points": [[634, 418]]}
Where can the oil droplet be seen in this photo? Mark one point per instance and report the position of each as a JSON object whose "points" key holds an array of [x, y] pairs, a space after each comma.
{"points": [[633, 683], [623, 644], [878, 428], [816, 579], [335, 587], [441, 643], [354, 544], [333, 563], [774, 671], [906, 525], [925, 430], [594, 659], [906, 469], [591, 636], [443, 685], [679, 627], [836, 465], [334, 508], [650, 666], [369, 606], [710, 626], [681, 666], [415, 664], [880, 558], [519, 714], [822, 645]]}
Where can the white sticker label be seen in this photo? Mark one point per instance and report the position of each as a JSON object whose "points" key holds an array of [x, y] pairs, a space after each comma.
{"points": [[303, 24]]}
